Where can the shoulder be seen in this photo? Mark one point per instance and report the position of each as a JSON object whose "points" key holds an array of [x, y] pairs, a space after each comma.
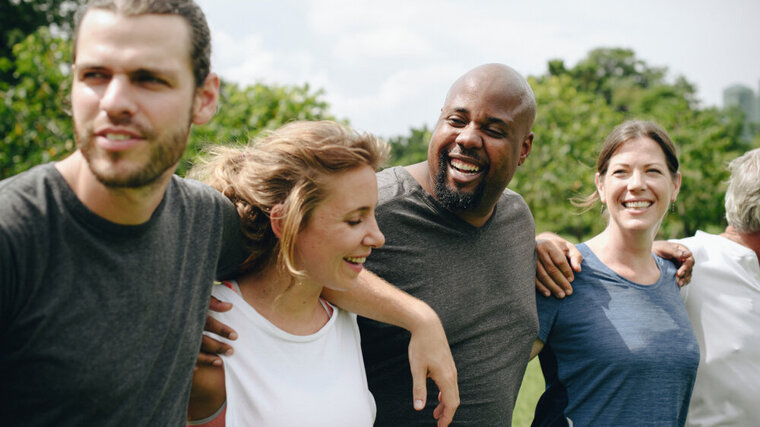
{"points": [[29, 195], [512, 210], [702, 243], [195, 193], [513, 202], [392, 183]]}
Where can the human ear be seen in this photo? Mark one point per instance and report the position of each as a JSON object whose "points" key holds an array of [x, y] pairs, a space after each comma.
{"points": [[276, 219], [599, 182], [527, 144], [206, 100], [677, 186]]}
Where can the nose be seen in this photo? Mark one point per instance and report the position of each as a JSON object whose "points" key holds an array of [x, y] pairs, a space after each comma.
{"points": [[118, 100], [636, 181], [469, 137], [374, 237]]}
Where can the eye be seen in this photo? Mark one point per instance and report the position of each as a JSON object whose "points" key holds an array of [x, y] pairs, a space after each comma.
{"points": [[152, 80], [354, 221], [496, 133], [94, 75], [456, 122]]}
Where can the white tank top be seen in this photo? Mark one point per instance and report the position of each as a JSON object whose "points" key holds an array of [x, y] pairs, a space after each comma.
{"points": [[278, 379]]}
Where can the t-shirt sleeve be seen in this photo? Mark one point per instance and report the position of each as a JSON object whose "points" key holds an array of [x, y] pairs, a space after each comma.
{"points": [[547, 308]]}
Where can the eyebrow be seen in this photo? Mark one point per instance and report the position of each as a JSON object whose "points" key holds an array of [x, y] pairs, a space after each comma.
{"points": [[139, 71]]}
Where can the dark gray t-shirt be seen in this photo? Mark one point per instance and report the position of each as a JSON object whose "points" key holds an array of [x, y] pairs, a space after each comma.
{"points": [[480, 281], [100, 323]]}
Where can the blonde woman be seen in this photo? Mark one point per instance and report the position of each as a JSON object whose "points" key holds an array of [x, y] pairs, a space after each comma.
{"points": [[306, 195]]}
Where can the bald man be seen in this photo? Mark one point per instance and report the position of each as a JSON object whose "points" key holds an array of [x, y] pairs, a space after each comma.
{"points": [[458, 239]]}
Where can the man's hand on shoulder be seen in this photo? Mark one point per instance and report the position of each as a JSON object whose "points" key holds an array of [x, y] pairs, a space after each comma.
{"points": [[556, 260], [678, 254], [210, 347]]}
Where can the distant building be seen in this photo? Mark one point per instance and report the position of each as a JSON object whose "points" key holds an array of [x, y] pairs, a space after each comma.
{"points": [[743, 97]]}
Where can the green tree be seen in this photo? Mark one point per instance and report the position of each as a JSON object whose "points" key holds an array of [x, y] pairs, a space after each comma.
{"points": [[34, 121], [407, 150], [20, 18], [245, 112]]}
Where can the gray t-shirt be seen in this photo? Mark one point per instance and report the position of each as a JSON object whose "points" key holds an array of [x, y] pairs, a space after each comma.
{"points": [[100, 323], [480, 281]]}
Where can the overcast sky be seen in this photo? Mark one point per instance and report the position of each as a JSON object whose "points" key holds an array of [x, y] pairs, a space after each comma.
{"points": [[386, 64]]}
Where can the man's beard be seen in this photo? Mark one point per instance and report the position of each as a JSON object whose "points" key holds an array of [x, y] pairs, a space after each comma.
{"points": [[164, 154], [451, 198]]}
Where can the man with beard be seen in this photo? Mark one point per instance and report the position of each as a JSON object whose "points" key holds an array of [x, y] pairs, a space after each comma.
{"points": [[106, 257], [460, 241]]}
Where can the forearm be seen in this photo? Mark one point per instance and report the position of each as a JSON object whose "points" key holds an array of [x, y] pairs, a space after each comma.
{"points": [[376, 299]]}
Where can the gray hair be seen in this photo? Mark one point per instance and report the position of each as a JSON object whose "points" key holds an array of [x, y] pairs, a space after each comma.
{"points": [[743, 193]]}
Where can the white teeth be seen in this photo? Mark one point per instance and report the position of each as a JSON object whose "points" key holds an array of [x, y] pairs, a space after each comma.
{"points": [[637, 205], [117, 136], [355, 260], [467, 167]]}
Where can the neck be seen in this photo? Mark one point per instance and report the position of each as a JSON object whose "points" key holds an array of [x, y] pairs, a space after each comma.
{"points": [[475, 217], [128, 206], [292, 306], [750, 240], [627, 254]]}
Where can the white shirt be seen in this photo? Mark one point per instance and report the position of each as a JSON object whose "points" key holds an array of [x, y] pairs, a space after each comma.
{"points": [[723, 302], [278, 379]]}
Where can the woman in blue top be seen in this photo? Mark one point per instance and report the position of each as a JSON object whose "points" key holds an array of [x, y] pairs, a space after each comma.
{"points": [[621, 350]]}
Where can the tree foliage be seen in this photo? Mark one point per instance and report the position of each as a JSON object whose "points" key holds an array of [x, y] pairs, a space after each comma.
{"points": [[20, 18], [34, 124], [406, 150], [244, 112]]}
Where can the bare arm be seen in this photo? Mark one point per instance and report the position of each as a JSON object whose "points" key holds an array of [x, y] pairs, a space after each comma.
{"points": [[429, 352], [208, 392], [556, 260]]}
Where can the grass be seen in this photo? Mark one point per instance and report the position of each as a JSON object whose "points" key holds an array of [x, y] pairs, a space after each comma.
{"points": [[530, 390]]}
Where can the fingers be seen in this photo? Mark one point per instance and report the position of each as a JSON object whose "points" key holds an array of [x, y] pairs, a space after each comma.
{"points": [[444, 413], [419, 387], [575, 257], [553, 272], [216, 305], [448, 400], [683, 275], [545, 284], [210, 349], [219, 328]]}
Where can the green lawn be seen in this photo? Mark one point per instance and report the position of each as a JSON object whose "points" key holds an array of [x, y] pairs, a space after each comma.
{"points": [[530, 390]]}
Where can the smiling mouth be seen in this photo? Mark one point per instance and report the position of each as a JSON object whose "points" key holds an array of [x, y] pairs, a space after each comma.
{"points": [[637, 205], [356, 260], [464, 167]]}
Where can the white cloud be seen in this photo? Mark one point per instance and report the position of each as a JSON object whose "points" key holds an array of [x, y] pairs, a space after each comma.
{"points": [[384, 43]]}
